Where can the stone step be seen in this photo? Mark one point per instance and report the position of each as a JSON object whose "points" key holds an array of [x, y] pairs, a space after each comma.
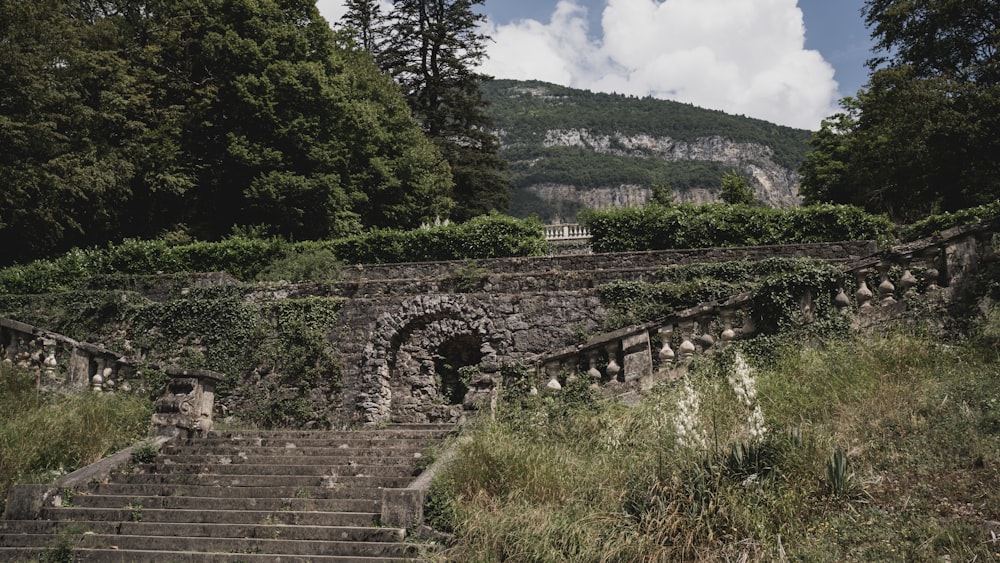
{"points": [[347, 470], [266, 530], [357, 457], [291, 443], [263, 492], [35, 554], [409, 432], [214, 545], [251, 481], [136, 512], [86, 500], [230, 449]]}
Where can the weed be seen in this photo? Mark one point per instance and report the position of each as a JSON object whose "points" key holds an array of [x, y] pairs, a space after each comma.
{"points": [[135, 511], [302, 492], [145, 452]]}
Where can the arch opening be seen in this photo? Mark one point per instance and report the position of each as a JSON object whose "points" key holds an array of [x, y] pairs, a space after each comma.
{"points": [[452, 356]]}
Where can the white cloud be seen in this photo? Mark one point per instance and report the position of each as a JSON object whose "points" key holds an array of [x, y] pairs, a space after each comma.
{"points": [[740, 56]]}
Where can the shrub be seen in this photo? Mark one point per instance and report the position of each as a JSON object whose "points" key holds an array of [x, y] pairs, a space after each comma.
{"points": [[659, 227], [935, 223]]}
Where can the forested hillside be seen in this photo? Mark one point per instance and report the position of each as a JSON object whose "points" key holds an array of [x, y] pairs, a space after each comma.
{"points": [[563, 144]]}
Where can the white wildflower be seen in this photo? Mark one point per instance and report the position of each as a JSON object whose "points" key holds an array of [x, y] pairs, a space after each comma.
{"points": [[689, 432], [745, 387], [742, 382]]}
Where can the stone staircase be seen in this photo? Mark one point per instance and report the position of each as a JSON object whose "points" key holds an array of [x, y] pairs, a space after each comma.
{"points": [[239, 496]]}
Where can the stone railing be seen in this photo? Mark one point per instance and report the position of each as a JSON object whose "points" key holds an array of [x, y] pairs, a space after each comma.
{"points": [[871, 289], [569, 231], [60, 361]]}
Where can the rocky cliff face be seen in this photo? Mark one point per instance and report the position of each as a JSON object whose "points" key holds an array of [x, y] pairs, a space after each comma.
{"points": [[773, 184]]}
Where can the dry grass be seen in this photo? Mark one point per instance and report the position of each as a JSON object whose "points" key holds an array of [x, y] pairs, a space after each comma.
{"points": [[919, 420]]}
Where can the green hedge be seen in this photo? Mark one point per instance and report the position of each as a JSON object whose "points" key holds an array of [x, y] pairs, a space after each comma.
{"points": [[247, 258], [935, 223], [659, 227]]}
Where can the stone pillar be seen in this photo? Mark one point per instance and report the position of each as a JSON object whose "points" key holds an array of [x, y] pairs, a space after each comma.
{"points": [[841, 301], [187, 402], [907, 282], [728, 334], [637, 359]]}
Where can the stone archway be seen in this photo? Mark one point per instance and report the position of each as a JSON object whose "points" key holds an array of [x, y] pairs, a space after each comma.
{"points": [[411, 362]]}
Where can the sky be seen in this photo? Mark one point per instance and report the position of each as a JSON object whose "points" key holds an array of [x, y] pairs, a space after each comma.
{"points": [[784, 61]]}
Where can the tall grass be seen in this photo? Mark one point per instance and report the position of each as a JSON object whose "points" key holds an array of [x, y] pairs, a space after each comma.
{"points": [[917, 422], [44, 436]]}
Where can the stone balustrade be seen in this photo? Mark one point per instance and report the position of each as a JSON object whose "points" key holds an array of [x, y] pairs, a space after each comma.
{"points": [[569, 231], [60, 361], [872, 289]]}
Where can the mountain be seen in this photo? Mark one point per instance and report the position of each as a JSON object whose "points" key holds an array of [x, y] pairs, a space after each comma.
{"points": [[570, 149]]}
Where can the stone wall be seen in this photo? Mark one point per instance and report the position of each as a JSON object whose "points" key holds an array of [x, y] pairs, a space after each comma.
{"points": [[393, 348], [839, 251]]}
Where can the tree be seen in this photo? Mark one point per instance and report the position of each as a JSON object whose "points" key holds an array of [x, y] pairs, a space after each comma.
{"points": [[922, 137], [129, 117], [736, 189], [365, 24], [431, 50]]}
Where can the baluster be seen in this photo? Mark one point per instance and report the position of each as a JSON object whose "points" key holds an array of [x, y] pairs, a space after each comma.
{"points": [[907, 282], [863, 295], [687, 348], [593, 373], [552, 370], [728, 334], [97, 382], [49, 346], [613, 368], [885, 288], [706, 340], [569, 366], [933, 274], [841, 301], [666, 352]]}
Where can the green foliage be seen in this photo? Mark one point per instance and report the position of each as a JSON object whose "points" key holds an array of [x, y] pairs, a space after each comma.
{"points": [[247, 258], [145, 452], [303, 263], [928, 226], [45, 436], [776, 284], [657, 227], [196, 116], [735, 190], [839, 479], [487, 236], [922, 137], [432, 50]]}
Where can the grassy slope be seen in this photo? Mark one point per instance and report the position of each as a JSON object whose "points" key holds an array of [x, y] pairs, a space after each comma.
{"points": [[45, 436], [918, 418]]}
